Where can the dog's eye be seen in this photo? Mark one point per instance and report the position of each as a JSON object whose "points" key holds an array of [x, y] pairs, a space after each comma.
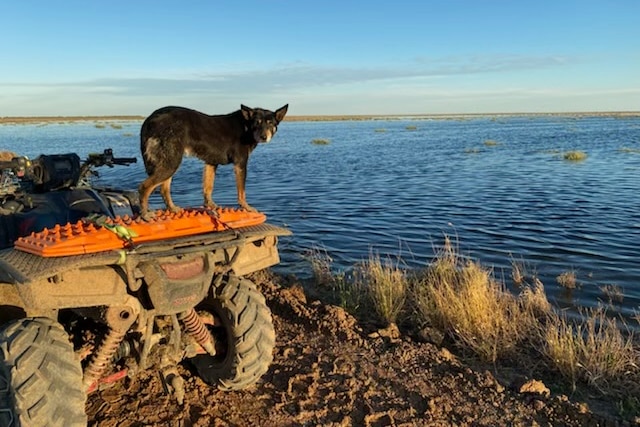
{"points": [[259, 121]]}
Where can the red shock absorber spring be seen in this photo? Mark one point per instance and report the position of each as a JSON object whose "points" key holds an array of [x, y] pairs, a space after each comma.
{"points": [[102, 358], [197, 329]]}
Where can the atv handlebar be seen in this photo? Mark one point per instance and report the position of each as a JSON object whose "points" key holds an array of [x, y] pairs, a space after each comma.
{"points": [[106, 158], [17, 165], [59, 171]]}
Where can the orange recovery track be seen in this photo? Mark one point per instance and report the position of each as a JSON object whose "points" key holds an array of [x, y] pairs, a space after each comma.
{"points": [[85, 237]]}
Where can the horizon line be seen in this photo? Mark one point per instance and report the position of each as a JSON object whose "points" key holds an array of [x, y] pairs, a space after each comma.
{"points": [[332, 117]]}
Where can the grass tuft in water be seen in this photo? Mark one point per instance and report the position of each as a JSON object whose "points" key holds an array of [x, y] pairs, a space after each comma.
{"points": [[613, 293], [567, 279], [575, 156]]}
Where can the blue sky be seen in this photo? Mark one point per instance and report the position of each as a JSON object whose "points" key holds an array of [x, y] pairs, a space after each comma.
{"points": [[325, 57]]}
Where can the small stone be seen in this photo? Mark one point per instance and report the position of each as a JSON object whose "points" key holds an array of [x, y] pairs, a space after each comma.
{"points": [[431, 335], [535, 387]]}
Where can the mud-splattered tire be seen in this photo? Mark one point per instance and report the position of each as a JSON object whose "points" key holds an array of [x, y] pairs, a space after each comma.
{"points": [[40, 376], [245, 339]]}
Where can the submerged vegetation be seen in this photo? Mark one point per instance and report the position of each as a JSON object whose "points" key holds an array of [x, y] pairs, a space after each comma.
{"points": [[460, 299], [320, 141], [629, 150]]}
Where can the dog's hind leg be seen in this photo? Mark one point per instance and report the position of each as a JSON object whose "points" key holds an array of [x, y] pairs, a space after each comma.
{"points": [[165, 190], [208, 179], [145, 189]]}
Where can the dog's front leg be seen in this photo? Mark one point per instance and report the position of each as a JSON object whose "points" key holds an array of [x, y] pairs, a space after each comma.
{"points": [[241, 179], [208, 179]]}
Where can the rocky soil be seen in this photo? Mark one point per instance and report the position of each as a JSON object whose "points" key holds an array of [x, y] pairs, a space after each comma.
{"points": [[328, 371]]}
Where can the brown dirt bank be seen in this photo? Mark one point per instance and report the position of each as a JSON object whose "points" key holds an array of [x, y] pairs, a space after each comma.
{"points": [[330, 371]]}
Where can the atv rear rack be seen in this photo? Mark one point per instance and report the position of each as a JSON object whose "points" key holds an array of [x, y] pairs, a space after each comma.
{"points": [[19, 267], [86, 237]]}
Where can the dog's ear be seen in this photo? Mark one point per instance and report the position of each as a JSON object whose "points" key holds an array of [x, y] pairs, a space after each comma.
{"points": [[246, 112], [280, 112]]}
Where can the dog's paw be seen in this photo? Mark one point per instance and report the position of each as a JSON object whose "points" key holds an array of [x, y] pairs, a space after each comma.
{"points": [[210, 204], [248, 208], [148, 216], [174, 209]]}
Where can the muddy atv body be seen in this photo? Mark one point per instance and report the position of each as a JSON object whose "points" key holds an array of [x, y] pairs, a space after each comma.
{"points": [[72, 322]]}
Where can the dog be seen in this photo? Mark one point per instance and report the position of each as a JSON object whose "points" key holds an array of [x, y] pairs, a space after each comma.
{"points": [[169, 133]]}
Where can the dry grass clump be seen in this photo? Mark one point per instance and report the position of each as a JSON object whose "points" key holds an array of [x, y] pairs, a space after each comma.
{"points": [[575, 156], [385, 285], [320, 141], [567, 279], [518, 272], [491, 143], [464, 301], [411, 127], [613, 293], [594, 350], [341, 291], [462, 298]]}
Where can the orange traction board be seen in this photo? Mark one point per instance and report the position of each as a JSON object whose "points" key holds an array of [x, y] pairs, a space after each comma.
{"points": [[86, 237]]}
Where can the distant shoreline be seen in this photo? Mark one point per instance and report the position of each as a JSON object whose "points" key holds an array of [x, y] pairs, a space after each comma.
{"points": [[324, 118]]}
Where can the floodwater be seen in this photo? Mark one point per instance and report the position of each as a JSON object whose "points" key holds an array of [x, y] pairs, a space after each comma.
{"points": [[498, 187]]}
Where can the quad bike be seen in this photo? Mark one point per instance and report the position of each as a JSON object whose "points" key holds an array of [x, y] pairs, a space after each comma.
{"points": [[90, 293]]}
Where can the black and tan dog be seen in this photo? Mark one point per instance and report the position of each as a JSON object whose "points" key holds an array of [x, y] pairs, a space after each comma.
{"points": [[172, 132]]}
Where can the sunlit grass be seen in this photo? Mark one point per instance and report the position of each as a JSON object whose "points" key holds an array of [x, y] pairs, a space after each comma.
{"points": [[594, 350], [385, 284], [463, 300]]}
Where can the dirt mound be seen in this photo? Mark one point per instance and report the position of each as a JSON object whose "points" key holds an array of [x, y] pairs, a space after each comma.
{"points": [[328, 371]]}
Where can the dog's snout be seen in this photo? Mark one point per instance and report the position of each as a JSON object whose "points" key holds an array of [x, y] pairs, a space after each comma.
{"points": [[264, 135]]}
